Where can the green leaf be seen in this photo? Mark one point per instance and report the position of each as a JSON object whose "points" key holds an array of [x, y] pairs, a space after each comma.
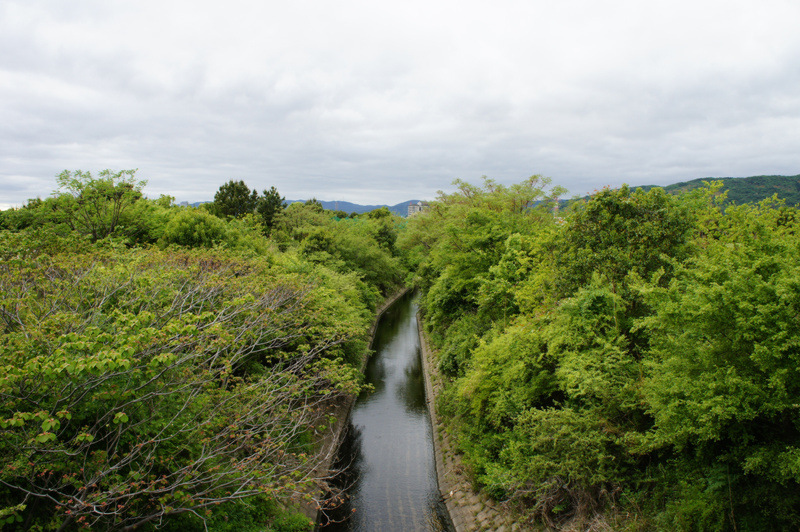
{"points": [[45, 437], [84, 437]]}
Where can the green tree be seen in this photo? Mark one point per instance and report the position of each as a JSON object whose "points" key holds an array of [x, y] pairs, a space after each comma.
{"points": [[94, 206], [384, 225], [194, 228], [723, 379], [234, 199], [315, 204], [345, 245], [138, 385], [616, 232], [465, 236], [16, 219], [269, 204]]}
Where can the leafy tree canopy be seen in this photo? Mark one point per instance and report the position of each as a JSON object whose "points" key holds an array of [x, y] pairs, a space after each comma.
{"points": [[234, 199], [634, 355], [94, 205], [269, 204]]}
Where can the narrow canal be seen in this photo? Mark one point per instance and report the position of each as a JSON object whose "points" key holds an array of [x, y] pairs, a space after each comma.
{"points": [[387, 455]]}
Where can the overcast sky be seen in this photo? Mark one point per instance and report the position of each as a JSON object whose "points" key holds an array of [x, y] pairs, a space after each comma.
{"points": [[379, 102]]}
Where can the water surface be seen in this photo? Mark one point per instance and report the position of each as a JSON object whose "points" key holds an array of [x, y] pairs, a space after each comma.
{"points": [[390, 476]]}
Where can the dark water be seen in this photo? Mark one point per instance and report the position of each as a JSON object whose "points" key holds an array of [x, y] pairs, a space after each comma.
{"points": [[387, 454]]}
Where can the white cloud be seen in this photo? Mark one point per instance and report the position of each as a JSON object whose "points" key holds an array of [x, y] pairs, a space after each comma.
{"points": [[361, 101]]}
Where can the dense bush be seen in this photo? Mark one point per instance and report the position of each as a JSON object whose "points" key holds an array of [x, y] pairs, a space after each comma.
{"points": [[181, 386], [635, 356], [194, 228], [138, 384]]}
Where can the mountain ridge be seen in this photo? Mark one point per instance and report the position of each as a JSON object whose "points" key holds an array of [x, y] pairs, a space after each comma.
{"points": [[744, 189], [740, 190]]}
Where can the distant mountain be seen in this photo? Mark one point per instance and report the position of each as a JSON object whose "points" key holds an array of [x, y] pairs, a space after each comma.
{"points": [[746, 189], [740, 190], [401, 209]]}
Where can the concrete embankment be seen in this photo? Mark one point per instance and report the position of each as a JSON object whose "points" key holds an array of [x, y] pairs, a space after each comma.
{"points": [[469, 511]]}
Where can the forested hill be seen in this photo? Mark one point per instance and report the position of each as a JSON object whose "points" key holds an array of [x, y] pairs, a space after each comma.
{"points": [[746, 189]]}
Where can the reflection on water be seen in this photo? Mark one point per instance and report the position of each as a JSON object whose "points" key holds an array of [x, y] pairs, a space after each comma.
{"points": [[390, 476]]}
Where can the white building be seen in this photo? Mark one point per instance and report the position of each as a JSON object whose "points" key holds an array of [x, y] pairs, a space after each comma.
{"points": [[415, 208]]}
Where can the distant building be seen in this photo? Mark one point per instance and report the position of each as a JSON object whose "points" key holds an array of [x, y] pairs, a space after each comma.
{"points": [[418, 207]]}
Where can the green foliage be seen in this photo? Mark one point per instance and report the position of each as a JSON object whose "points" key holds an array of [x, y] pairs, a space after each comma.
{"points": [[23, 217], [462, 337], [725, 327], [385, 228], [250, 515], [107, 208], [194, 228], [186, 379], [180, 387], [315, 205], [596, 367], [636, 354], [198, 228], [522, 280], [269, 204], [509, 375], [561, 448], [723, 381], [234, 199], [346, 245], [94, 206], [455, 244], [32, 242], [617, 233], [292, 523]]}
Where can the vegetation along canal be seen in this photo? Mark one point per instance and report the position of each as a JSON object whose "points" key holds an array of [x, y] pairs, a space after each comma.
{"points": [[387, 455]]}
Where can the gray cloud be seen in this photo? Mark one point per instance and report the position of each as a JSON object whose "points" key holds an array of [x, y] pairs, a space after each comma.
{"points": [[373, 103]]}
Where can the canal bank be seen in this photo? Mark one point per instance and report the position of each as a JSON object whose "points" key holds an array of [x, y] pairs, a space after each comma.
{"points": [[469, 511]]}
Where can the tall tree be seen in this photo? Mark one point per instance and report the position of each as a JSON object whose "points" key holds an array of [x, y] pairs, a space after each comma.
{"points": [[616, 232], [234, 199], [93, 205], [268, 205]]}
